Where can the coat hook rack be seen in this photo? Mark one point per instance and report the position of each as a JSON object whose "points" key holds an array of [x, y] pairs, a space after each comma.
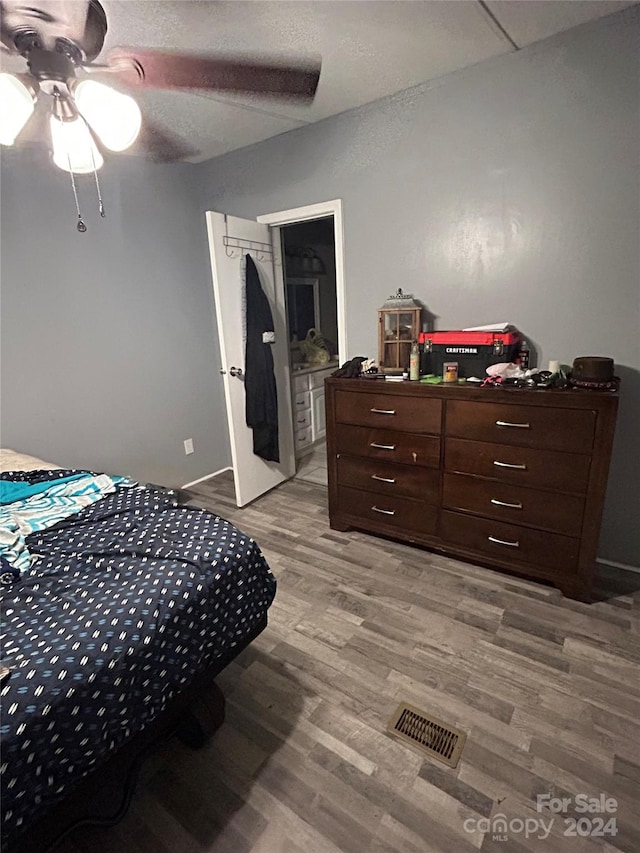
{"points": [[236, 247]]}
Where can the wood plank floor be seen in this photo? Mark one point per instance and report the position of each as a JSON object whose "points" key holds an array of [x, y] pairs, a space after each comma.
{"points": [[548, 690]]}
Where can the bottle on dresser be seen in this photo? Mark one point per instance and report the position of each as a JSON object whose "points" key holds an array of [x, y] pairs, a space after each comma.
{"points": [[414, 362], [524, 355]]}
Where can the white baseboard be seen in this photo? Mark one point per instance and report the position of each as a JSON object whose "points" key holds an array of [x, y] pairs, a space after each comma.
{"points": [[615, 565], [206, 477]]}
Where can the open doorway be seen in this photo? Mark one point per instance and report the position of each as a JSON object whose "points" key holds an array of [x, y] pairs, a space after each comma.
{"points": [[312, 397], [309, 266]]}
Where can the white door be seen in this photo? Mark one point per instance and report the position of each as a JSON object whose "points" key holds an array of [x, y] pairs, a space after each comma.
{"points": [[229, 240]]}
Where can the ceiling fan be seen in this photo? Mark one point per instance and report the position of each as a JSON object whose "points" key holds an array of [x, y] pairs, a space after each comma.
{"points": [[59, 41]]}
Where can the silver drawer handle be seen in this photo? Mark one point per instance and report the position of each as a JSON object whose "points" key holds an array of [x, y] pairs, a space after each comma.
{"points": [[302, 420], [382, 479], [517, 426], [503, 542], [504, 503], [383, 511], [509, 465], [383, 411], [383, 446], [301, 403]]}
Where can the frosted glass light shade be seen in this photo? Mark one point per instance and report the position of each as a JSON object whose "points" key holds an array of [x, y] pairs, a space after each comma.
{"points": [[16, 107], [73, 147], [115, 117]]}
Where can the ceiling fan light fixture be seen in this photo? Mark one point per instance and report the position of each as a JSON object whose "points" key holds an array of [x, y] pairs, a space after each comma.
{"points": [[16, 107], [73, 147], [114, 116]]}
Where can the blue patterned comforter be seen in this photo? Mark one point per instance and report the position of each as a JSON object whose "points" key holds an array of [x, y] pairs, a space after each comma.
{"points": [[125, 602]]}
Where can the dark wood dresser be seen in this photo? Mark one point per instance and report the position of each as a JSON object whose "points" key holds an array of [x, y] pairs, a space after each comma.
{"points": [[510, 478]]}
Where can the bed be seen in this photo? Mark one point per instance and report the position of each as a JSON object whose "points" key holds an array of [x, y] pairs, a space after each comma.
{"points": [[117, 611]]}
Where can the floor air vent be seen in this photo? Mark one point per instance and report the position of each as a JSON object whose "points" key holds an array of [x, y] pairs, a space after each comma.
{"points": [[440, 741]]}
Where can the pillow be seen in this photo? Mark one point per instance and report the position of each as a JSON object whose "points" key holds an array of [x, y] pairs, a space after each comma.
{"points": [[11, 460]]}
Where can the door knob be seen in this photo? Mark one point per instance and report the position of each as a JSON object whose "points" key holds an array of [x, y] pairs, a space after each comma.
{"points": [[236, 371]]}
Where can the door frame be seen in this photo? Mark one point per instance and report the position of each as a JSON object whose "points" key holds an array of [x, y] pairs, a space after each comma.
{"points": [[320, 211]]}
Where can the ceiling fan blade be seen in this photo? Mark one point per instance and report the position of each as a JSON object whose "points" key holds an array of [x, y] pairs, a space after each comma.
{"points": [[161, 70], [160, 145]]}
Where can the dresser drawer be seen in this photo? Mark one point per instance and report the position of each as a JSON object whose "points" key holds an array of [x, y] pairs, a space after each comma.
{"points": [[546, 510], [389, 411], [316, 379], [387, 478], [302, 438], [301, 400], [524, 426], [389, 445], [497, 540], [523, 466], [299, 383], [388, 511], [302, 419]]}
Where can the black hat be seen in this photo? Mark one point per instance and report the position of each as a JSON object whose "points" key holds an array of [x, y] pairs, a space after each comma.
{"points": [[593, 371], [593, 368]]}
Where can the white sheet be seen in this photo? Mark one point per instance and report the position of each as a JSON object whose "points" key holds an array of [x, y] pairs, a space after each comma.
{"points": [[11, 460]]}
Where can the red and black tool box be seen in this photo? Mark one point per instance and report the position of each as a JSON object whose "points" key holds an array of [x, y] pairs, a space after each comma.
{"points": [[473, 351]]}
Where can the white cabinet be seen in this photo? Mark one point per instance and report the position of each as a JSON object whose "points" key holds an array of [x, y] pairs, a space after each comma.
{"points": [[318, 417], [307, 394]]}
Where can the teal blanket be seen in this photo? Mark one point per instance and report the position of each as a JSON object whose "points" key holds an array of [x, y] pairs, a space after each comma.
{"points": [[18, 490], [46, 508]]}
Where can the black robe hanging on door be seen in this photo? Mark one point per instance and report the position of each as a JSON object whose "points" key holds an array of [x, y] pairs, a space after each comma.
{"points": [[260, 381]]}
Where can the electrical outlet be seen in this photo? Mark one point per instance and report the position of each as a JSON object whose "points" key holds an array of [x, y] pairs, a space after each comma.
{"points": [[188, 446]]}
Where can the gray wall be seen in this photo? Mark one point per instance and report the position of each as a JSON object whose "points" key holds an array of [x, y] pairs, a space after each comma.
{"points": [[109, 348], [508, 191]]}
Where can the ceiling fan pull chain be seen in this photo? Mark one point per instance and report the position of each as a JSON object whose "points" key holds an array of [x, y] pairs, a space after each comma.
{"points": [[80, 226], [95, 175]]}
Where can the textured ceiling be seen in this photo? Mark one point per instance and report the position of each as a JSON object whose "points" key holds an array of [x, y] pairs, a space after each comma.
{"points": [[368, 50]]}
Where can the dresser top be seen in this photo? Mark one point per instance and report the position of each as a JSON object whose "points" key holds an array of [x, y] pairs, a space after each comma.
{"points": [[554, 397]]}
